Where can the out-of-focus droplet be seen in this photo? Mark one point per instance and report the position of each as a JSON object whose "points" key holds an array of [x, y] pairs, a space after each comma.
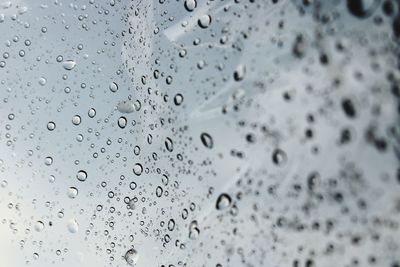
{"points": [[39, 226], [72, 226]]}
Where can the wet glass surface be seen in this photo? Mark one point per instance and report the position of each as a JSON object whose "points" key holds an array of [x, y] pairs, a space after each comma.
{"points": [[199, 133]]}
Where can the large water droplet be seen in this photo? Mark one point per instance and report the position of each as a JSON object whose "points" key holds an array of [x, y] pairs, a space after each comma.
{"points": [[69, 64], [204, 21], [131, 257], [190, 5], [81, 176], [223, 201]]}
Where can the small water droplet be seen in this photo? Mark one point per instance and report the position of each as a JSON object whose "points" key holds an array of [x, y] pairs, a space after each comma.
{"points": [[72, 192], [51, 126], [122, 121], [48, 161], [207, 140], [113, 87], [42, 81], [138, 169]]}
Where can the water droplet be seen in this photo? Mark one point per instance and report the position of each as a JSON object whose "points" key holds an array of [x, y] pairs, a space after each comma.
{"points": [[223, 201], [168, 144], [194, 231], [69, 64], [72, 192], [39, 226], [122, 122], [207, 140], [131, 257], [190, 5], [51, 126], [159, 191], [113, 87], [171, 225], [178, 99], [279, 157], [239, 73], [76, 120], [72, 226], [138, 169], [204, 21], [91, 113], [42, 81], [48, 161], [81, 176]]}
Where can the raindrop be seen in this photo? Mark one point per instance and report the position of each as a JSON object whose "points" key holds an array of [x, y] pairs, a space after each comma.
{"points": [[204, 21], [207, 140], [72, 192], [48, 161], [178, 99], [51, 126], [91, 113], [69, 64], [239, 73], [131, 257], [39, 226], [113, 87], [42, 81], [194, 231], [81, 176], [168, 144], [190, 5], [279, 157], [122, 122], [223, 201], [76, 120], [138, 169], [72, 226], [159, 191]]}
